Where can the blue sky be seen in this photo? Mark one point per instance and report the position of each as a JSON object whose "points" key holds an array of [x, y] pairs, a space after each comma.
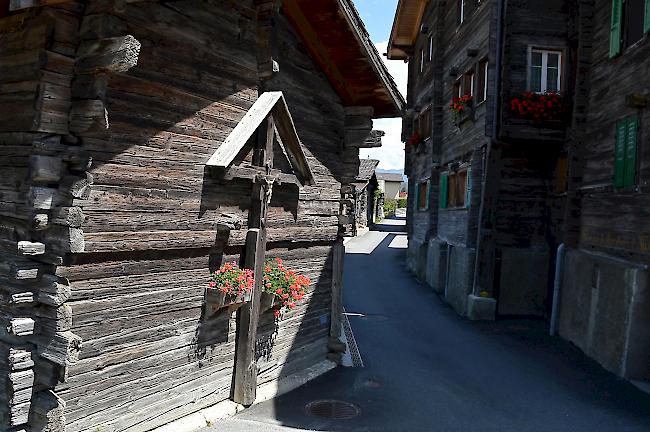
{"points": [[378, 17]]}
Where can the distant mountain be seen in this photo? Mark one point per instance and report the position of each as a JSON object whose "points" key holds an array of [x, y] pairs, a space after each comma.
{"points": [[393, 171]]}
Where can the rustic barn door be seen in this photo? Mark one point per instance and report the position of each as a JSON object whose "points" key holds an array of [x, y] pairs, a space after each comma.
{"points": [[267, 120]]}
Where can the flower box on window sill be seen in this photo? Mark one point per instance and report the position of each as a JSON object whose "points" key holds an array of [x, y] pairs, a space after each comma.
{"points": [[466, 115], [555, 124], [539, 110], [462, 109]]}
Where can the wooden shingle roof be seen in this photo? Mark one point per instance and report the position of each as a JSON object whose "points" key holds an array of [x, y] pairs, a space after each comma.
{"points": [[367, 169]]}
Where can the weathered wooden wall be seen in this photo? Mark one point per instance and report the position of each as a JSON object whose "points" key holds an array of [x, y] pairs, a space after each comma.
{"points": [[140, 229], [40, 167], [611, 220]]}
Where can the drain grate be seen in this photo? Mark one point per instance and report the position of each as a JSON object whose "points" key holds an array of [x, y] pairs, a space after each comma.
{"points": [[333, 409]]}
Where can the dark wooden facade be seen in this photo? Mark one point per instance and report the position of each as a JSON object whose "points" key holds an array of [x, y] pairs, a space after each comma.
{"points": [[533, 185], [365, 187], [111, 220]]}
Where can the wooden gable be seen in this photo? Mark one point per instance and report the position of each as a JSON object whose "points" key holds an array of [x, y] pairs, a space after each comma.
{"points": [[268, 105]]}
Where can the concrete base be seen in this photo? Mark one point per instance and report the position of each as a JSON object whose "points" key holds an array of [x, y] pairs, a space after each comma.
{"points": [[437, 265], [604, 304], [523, 284], [481, 308], [207, 417], [460, 279]]}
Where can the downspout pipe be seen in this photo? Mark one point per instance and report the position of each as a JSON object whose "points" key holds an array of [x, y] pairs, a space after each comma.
{"points": [[557, 285], [496, 127]]}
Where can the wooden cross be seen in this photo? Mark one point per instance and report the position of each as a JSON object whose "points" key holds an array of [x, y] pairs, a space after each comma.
{"points": [[267, 118], [248, 316]]}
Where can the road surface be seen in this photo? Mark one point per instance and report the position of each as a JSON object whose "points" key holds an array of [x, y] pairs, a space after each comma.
{"points": [[426, 369]]}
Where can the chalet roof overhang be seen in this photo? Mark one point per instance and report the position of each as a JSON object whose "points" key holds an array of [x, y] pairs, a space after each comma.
{"points": [[406, 27], [333, 32]]}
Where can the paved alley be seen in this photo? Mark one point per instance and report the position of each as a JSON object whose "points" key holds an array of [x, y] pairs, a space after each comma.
{"points": [[426, 369]]}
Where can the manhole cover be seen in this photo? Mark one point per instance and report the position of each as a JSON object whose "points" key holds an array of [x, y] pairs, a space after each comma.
{"points": [[333, 409]]}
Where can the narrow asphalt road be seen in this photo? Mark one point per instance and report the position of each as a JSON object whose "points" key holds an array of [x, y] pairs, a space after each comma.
{"points": [[426, 369]]}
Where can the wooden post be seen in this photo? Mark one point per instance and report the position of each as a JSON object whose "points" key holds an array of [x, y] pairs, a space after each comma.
{"points": [[245, 383], [338, 256]]}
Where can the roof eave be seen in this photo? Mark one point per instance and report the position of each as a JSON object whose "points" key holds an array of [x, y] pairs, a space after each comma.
{"points": [[408, 18], [356, 24]]}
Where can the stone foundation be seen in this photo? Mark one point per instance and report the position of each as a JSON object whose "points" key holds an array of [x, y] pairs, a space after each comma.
{"points": [[604, 306]]}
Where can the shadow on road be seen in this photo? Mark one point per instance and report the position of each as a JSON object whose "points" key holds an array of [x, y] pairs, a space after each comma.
{"points": [[429, 370]]}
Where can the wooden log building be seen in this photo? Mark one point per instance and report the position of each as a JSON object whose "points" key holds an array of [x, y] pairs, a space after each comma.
{"points": [[364, 187], [551, 149], [142, 145]]}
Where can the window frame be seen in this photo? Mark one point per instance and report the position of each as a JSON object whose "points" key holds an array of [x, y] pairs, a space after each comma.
{"points": [[469, 80], [457, 88], [458, 188], [426, 184], [421, 60], [626, 176], [626, 20], [430, 48], [462, 10], [482, 90], [545, 51], [425, 128]]}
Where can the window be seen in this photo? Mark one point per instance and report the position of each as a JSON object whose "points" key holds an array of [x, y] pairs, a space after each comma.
{"points": [[625, 152], [630, 19], [462, 10], [481, 91], [422, 195], [4, 8], [455, 189], [457, 90], [430, 48], [424, 124], [468, 87], [421, 60], [545, 71], [561, 174]]}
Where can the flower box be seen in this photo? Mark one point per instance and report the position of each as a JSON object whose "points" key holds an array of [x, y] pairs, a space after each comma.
{"points": [[284, 286], [547, 110], [219, 299], [230, 286], [267, 301], [462, 109]]}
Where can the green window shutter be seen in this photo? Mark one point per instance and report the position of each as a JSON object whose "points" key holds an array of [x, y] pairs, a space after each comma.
{"points": [[444, 189], [646, 21], [630, 152], [468, 197], [426, 206], [615, 30], [619, 154], [417, 197]]}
